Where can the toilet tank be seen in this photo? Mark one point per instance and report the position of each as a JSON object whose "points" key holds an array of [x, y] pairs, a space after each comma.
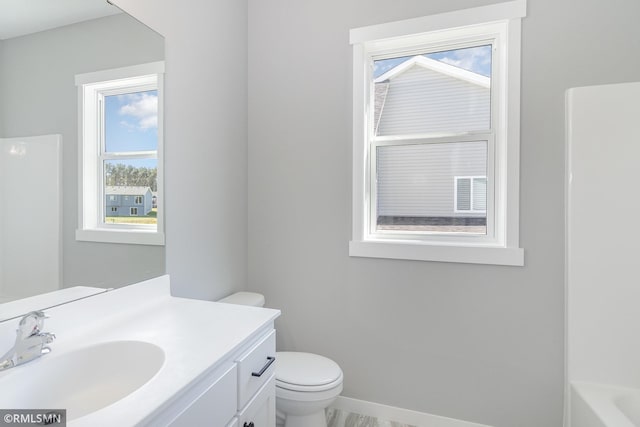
{"points": [[245, 298]]}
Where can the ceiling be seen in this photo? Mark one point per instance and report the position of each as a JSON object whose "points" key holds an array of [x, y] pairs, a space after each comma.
{"points": [[20, 17]]}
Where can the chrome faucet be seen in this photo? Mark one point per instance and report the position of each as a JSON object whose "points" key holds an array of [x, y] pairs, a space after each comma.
{"points": [[30, 343]]}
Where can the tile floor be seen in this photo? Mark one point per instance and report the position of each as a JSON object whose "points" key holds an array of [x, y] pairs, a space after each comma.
{"points": [[338, 418]]}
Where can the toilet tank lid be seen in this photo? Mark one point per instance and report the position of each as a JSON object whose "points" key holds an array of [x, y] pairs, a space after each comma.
{"points": [[245, 298]]}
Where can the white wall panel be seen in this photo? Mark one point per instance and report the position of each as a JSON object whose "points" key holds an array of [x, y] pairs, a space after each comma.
{"points": [[31, 227], [602, 234]]}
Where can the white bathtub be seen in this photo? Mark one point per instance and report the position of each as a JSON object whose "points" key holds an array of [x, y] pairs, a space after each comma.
{"points": [[601, 405]]}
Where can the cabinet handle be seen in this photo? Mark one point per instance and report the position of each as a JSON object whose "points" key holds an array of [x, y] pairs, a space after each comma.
{"points": [[249, 424], [270, 360]]}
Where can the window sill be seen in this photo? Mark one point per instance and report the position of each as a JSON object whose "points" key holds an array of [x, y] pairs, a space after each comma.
{"points": [[419, 251], [129, 237]]}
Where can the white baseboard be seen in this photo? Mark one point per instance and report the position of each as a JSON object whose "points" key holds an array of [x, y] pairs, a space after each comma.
{"points": [[404, 416]]}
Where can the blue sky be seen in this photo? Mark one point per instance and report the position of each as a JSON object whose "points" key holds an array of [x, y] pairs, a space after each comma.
{"points": [[476, 59], [131, 124]]}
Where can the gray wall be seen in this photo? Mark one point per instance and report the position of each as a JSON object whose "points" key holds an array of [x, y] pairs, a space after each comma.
{"points": [[38, 96], [481, 343], [205, 141], [2, 108]]}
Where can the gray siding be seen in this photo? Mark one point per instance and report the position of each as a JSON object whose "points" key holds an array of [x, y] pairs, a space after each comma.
{"points": [[419, 180], [123, 202], [421, 100]]}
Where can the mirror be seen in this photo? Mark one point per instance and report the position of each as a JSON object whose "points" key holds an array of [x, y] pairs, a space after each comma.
{"points": [[43, 45]]}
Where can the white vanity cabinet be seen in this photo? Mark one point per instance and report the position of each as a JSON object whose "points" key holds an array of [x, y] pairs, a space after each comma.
{"points": [[214, 362], [261, 410], [240, 392], [257, 384]]}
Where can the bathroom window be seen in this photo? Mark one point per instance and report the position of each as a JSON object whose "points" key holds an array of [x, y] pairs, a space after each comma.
{"points": [[121, 152], [436, 137]]}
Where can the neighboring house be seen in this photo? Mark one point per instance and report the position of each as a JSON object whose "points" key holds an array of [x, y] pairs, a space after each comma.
{"points": [[437, 180], [128, 201]]}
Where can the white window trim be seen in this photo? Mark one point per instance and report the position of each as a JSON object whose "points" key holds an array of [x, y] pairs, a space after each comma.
{"points": [[471, 204], [503, 247], [90, 204]]}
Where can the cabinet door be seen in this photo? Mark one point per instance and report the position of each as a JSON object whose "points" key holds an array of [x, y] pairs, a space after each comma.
{"points": [[215, 407], [261, 410]]}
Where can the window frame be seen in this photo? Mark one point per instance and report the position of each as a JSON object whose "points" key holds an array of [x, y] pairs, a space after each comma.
{"points": [[471, 209], [92, 87], [499, 24]]}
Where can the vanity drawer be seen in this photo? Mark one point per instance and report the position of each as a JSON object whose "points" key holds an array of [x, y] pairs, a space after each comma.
{"points": [[255, 367]]}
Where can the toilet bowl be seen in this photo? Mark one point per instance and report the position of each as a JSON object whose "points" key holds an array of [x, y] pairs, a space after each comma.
{"points": [[306, 383]]}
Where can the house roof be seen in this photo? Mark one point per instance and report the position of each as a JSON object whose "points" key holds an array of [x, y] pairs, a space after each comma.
{"points": [[380, 97], [381, 84], [439, 66], [126, 190]]}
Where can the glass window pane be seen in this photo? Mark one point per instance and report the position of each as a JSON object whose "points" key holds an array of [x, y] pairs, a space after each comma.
{"points": [[130, 189], [416, 187], [131, 122], [464, 194], [448, 91], [480, 194]]}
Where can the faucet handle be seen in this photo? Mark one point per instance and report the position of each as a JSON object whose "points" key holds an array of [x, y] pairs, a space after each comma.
{"points": [[31, 324], [47, 337]]}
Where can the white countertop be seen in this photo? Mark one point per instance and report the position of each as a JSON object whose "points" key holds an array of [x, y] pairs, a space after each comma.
{"points": [[196, 336]]}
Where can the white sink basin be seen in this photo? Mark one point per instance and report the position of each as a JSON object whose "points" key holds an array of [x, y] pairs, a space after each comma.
{"points": [[81, 381]]}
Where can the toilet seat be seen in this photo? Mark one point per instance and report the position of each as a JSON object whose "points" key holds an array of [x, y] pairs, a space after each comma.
{"points": [[306, 372], [309, 388]]}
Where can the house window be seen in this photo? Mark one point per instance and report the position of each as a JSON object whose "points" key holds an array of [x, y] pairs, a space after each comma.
{"points": [[114, 209], [436, 137], [121, 152], [470, 194]]}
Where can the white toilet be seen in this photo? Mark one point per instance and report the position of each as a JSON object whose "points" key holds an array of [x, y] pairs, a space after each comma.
{"points": [[306, 383]]}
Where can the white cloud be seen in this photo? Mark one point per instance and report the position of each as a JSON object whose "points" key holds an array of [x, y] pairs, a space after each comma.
{"points": [[143, 107], [473, 59], [150, 122], [125, 124]]}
